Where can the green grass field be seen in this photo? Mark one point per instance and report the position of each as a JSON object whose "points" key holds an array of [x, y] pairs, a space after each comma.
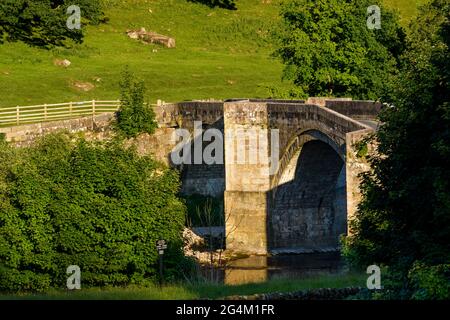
{"points": [[219, 54], [407, 8], [199, 291]]}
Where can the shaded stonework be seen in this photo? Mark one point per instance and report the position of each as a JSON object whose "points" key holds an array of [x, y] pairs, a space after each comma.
{"points": [[307, 212], [204, 179], [355, 165], [302, 204]]}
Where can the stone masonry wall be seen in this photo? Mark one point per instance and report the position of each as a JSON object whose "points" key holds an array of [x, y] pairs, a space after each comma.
{"points": [[359, 110], [355, 165], [90, 126], [304, 216], [197, 179], [93, 128], [246, 183]]}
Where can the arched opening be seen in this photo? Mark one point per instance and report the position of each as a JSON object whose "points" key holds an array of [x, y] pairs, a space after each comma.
{"points": [[308, 211], [203, 179]]}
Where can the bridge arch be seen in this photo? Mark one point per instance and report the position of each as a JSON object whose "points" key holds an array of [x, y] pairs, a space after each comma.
{"points": [[288, 158], [307, 204]]}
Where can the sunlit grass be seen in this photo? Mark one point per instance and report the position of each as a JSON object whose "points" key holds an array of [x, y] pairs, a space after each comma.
{"points": [[219, 54], [198, 290], [407, 8]]}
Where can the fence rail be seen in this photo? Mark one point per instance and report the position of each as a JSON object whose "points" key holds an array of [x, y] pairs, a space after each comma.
{"points": [[59, 111]]}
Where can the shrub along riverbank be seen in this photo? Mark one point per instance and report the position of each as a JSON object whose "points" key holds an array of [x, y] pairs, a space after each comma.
{"points": [[98, 205]]}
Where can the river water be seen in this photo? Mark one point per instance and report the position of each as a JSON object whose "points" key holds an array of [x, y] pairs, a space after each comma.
{"points": [[263, 268]]}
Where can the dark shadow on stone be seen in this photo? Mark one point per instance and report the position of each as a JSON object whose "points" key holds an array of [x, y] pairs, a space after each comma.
{"points": [[203, 179], [308, 212]]}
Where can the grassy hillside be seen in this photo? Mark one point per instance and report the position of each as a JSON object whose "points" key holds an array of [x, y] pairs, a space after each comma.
{"points": [[407, 8], [219, 54]]}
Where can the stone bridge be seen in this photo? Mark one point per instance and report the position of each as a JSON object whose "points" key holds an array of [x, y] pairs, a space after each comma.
{"points": [[304, 204], [297, 198]]}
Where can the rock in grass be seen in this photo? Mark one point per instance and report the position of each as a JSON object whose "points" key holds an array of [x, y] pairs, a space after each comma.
{"points": [[151, 37], [62, 63], [82, 86]]}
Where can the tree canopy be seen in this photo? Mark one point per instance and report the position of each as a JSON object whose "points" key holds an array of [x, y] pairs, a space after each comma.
{"points": [[404, 217], [43, 23], [135, 116], [328, 50]]}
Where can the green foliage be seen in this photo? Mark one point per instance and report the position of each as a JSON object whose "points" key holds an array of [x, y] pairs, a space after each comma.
{"points": [[197, 205], [134, 116], [292, 92], [420, 282], [430, 282], [66, 201], [43, 23], [328, 50], [362, 151], [405, 212]]}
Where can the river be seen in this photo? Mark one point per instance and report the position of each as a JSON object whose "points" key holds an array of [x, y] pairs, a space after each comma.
{"points": [[263, 268]]}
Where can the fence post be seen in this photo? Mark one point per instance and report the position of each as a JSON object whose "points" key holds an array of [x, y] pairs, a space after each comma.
{"points": [[45, 111], [93, 107], [17, 115], [70, 108]]}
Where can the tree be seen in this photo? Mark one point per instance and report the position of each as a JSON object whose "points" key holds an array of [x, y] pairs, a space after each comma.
{"points": [[404, 217], [135, 116], [43, 23], [98, 205], [328, 49]]}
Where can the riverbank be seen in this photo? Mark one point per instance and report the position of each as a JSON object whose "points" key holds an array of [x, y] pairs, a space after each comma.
{"points": [[192, 291]]}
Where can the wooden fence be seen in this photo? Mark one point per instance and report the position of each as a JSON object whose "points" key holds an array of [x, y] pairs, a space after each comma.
{"points": [[59, 111]]}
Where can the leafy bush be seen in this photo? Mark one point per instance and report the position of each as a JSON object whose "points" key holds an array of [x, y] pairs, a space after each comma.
{"points": [[430, 282], [421, 282], [66, 201], [135, 116]]}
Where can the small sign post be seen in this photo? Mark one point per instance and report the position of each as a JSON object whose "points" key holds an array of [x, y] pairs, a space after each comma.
{"points": [[161, 246]]}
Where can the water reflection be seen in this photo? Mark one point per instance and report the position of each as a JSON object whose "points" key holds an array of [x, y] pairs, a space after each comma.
{"points": [[263, 268]]}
